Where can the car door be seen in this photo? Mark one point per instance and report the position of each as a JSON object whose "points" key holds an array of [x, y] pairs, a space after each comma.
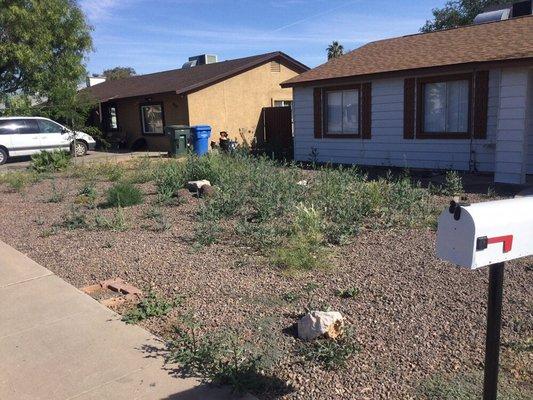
{"points": [[6, 133], [52, 136], [25, 137]]}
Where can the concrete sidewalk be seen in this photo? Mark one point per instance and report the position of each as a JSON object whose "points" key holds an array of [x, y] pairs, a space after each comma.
{"points": [[58, 343]]}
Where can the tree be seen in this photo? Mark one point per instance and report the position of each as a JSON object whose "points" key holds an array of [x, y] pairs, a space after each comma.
{"points": [[335, 50], [119, 73], [457, 13], [42, 46]]}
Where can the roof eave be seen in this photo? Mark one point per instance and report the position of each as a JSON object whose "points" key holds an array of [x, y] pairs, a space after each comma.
{"points": [[526, 61]]}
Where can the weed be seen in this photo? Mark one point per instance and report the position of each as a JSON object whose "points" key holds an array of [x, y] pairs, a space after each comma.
{"points": [[56, 196], [87, 194], [453, 184], [468, 387], [303, 250], [349, 293], [223, 359], [143, 170], [111, 172], [169, 177], [150, 306], [50, 161], [124, 194], [74, 219], [161, 221], [330, 354], [290, 297], [18, 180], [48, 232], [117, 223], [208, 227]]}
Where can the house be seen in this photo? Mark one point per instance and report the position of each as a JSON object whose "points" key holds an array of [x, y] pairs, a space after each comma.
{"points": [[229, 96], [457, 99]]}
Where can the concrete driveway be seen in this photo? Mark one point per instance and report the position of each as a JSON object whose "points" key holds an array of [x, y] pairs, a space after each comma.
{"points": [[58, 343], [21, 163]]}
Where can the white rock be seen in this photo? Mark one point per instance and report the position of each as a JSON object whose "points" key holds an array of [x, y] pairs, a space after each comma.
{"points": [[302, 182], [195, 186], [316, 324]]}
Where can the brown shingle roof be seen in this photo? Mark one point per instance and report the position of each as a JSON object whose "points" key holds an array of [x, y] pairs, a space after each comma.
{"points": [[495, 41], [184, 80]]}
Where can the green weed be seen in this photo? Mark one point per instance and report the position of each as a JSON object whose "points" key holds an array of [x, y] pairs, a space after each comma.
{"points": [[349, 293], [123, 194], [330, 354], [150, 306], [50, 161], [56, 196]]}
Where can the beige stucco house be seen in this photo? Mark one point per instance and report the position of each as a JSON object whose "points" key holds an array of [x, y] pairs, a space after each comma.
{"points": [[229, 96]]}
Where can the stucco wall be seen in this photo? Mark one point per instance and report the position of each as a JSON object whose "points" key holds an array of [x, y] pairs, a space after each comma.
{"points": [[129, 117], [235, 105], [387, 147]]}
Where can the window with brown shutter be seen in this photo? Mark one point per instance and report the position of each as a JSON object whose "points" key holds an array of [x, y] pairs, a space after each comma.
{"points": [[317, 100], [409, 108], [481, 104], [366, 110]]}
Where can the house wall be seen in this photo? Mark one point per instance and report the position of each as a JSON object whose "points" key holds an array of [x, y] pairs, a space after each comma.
{"points": [[511, 145], [387, 147], [234, 105], [530, 125], [129, 118]]}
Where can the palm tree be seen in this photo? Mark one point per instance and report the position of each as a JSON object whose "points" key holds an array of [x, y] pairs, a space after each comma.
{"points": [[335, 50]]}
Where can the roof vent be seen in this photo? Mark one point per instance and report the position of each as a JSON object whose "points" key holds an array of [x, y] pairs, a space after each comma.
{"points": [[189, 64], [491, 16]]}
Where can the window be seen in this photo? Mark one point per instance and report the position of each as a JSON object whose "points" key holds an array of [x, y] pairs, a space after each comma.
{"points": [[112, 118], [152, 119], [18, 126], [46, 126], [444, 107], [282, 103], [342, 112]]}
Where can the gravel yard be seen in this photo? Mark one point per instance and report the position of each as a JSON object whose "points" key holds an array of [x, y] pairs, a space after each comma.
{"points": [[418, 322]]}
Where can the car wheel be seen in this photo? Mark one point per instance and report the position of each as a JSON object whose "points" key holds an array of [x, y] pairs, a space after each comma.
{"points": [[80, 149], [3, 156]]}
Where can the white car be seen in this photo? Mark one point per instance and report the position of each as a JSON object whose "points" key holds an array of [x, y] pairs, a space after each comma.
{"points": [[24, 136]]}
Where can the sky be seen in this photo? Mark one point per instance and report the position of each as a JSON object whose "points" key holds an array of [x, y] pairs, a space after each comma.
{"points": [[158, 35]]}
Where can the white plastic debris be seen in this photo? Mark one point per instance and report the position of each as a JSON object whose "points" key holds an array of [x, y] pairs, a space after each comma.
{"points": [[317, 324], [195, 186]]}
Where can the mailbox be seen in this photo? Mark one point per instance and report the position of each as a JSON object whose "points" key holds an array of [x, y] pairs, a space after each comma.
{"points": [[481, 234]]}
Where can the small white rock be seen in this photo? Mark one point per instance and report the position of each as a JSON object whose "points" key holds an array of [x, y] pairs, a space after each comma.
{"points": [[195, 186], [302, 182], [316, 324]]}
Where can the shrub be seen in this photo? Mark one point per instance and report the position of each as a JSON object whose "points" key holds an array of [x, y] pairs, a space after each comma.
{"points": [[169, 177], [124, 194], [53, 161], [87, 194], [98, 136], [150, 306]]}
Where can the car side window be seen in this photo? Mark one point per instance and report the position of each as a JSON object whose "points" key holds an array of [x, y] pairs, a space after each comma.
{"points": [[10, 126], [28, 126], [46, 126]]}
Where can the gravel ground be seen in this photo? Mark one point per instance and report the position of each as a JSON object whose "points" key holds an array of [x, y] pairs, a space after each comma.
{"points": [[415, 317]]}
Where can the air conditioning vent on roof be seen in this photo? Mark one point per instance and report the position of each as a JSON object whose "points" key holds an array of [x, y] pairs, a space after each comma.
{"points": [[491, 16]]}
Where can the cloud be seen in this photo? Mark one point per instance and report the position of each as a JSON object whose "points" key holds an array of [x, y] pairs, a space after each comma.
{"points": [[98, 10]]}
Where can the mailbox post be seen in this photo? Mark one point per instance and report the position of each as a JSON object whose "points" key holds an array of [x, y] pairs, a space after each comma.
{"points": [[488, 234]]}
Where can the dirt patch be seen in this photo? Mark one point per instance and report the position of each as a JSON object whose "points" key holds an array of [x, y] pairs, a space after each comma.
{"points": [[413, 317]]}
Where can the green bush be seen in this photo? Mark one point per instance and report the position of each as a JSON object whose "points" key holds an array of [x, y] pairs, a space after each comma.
{"points": [[98, 136], [124, 194], [50, 161], [453, 184], [330, 354]]}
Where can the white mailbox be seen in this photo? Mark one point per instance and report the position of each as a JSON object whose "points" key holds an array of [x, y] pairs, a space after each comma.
{"points": [[486, 233]]}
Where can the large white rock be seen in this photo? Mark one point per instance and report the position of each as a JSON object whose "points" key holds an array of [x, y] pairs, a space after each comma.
{"points": [[195, 186], [316, 324]]}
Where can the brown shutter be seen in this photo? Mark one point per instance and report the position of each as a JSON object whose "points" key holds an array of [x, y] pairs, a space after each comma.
{"points": [[317, 99], [366, 110], [481, 101], [409, 108]]}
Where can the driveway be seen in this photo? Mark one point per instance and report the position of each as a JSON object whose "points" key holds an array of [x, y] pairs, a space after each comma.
{"points": [[58, 343]]}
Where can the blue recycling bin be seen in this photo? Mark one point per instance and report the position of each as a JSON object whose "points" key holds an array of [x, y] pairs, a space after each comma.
{"points": [[200, 139]]}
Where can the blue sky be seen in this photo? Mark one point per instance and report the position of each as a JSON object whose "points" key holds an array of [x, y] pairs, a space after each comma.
{"points": [[158, 35]]}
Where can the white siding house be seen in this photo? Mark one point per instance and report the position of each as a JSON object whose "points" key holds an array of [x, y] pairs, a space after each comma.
{"points": [[504, 105]]}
